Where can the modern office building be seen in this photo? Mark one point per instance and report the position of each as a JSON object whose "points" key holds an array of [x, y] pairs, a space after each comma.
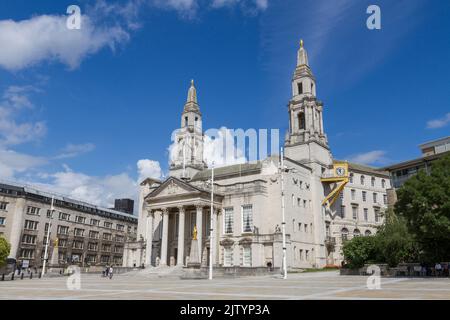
{"points": [[124, 205], [80, 233]]}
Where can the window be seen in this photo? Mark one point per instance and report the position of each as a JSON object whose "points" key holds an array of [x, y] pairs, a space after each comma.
{"points": [[355, 212], [307, 255], [306, 228], [247, 256], [91, 258], [64, 216], [356, 233], [300, 87], [78, 232], [95, 222], [301, 254], [353, 192], [80, 219], [299, 227], [3, 206], [29, 239], [374, 198], [372, 182], [47, 225], [118, 249], [384, 199], [366, 214], [50, 214], [185, 121], [301, 121], [227, 256], [33, 210], [228, 220], [31, 225], [107, 224], [2, 221], [62, 230], [305, 203], [362, 180], [120, 227], [120, 238], [93, 234], [344, 234], [106, 247], [62, 243], [299, 202], [27, 253], [364, 196], [104, 259], [247, 218], [77, 244], [377, 215], [92, 246], [341, 195], [368, 233], [351, 177], [107, 236], [383, 184]]}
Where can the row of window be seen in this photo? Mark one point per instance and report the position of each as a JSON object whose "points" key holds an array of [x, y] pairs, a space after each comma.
{"points": [[355, 213], [356, 233], [75, 257], [303, 255], [362, 181], [364, 196], [247, 219], [79, 219], [246, 256]]}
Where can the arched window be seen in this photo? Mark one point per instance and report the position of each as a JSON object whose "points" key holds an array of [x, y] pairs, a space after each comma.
{"points": [[362, 180], [368, 233], [301, 121], [344, 234], [383, 183], [300, 87], [372, 183], [351, 177], [356, 233]]}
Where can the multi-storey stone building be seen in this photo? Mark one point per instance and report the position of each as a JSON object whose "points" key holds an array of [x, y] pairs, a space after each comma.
{"points": [[80, 233], [246, 216]]}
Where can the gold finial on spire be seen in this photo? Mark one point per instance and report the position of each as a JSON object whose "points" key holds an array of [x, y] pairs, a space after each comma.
{"points": [[301, 43]]}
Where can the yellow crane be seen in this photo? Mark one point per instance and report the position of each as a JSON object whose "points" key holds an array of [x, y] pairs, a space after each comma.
{"points": [[338, 176]]}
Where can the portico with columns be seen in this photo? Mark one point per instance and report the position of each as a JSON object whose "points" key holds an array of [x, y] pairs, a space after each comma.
{"points": [[172, 211]]}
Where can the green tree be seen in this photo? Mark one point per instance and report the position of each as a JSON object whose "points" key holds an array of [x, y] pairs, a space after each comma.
{"points": [[424, 202], [359, 251], [5, 247], [394, 242]]}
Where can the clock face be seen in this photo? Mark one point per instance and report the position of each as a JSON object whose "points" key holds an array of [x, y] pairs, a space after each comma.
{"points": [[340, 171]]}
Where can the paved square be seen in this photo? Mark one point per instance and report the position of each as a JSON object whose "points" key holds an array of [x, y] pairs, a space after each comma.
{"points": [[319, 285]]}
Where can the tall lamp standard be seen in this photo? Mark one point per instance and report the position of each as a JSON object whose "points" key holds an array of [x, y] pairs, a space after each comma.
{"points": [[211, 241], [283, 223], [48, 237]]}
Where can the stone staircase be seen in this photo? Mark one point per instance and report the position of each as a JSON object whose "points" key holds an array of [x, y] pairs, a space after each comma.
{"points": [[157, 272]]}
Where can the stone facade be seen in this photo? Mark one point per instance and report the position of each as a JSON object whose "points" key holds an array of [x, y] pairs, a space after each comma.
{"points": [[246, 210], [86, 234]]}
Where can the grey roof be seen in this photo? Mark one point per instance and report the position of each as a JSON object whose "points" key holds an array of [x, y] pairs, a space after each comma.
{"points": [[416, 161], [229, 171]]}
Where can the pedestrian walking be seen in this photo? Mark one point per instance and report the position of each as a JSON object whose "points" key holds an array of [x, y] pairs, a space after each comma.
{"points": [[438, 269], [111, 270]]}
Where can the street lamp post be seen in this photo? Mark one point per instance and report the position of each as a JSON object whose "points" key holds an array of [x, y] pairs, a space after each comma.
{"points": [[211, 242], [48, 237], [283, 223]]}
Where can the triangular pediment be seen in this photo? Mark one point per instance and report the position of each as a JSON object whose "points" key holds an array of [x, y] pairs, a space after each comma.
{"points": [[173, 187]]}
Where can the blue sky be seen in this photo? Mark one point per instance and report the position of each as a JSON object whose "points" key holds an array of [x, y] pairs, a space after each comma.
{"points": [[78, 111]]}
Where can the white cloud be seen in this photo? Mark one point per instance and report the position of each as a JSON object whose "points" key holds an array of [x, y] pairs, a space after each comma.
{"points": [[15, 100], [12, 163], [259, 4], [439, 123], [371, 157], [73, 150], [46, 38], [222, 149], [148, 169]]}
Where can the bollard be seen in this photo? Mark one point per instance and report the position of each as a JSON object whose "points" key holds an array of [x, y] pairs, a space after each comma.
{"points": [[31, 275], [21, 276], [12, 276], [40, 274], [3, 277]]}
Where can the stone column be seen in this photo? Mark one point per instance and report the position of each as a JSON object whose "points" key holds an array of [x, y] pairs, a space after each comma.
{"points": [[199, 224], [165, 237], [148, 247], [180, 255]]}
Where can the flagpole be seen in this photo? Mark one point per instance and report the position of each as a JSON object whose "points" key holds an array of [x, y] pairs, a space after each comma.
{"points": [[48, 236], [211, 242]]}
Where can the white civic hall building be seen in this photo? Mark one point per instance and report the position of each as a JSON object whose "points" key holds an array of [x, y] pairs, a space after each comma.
{"points": [[247, 203]]}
